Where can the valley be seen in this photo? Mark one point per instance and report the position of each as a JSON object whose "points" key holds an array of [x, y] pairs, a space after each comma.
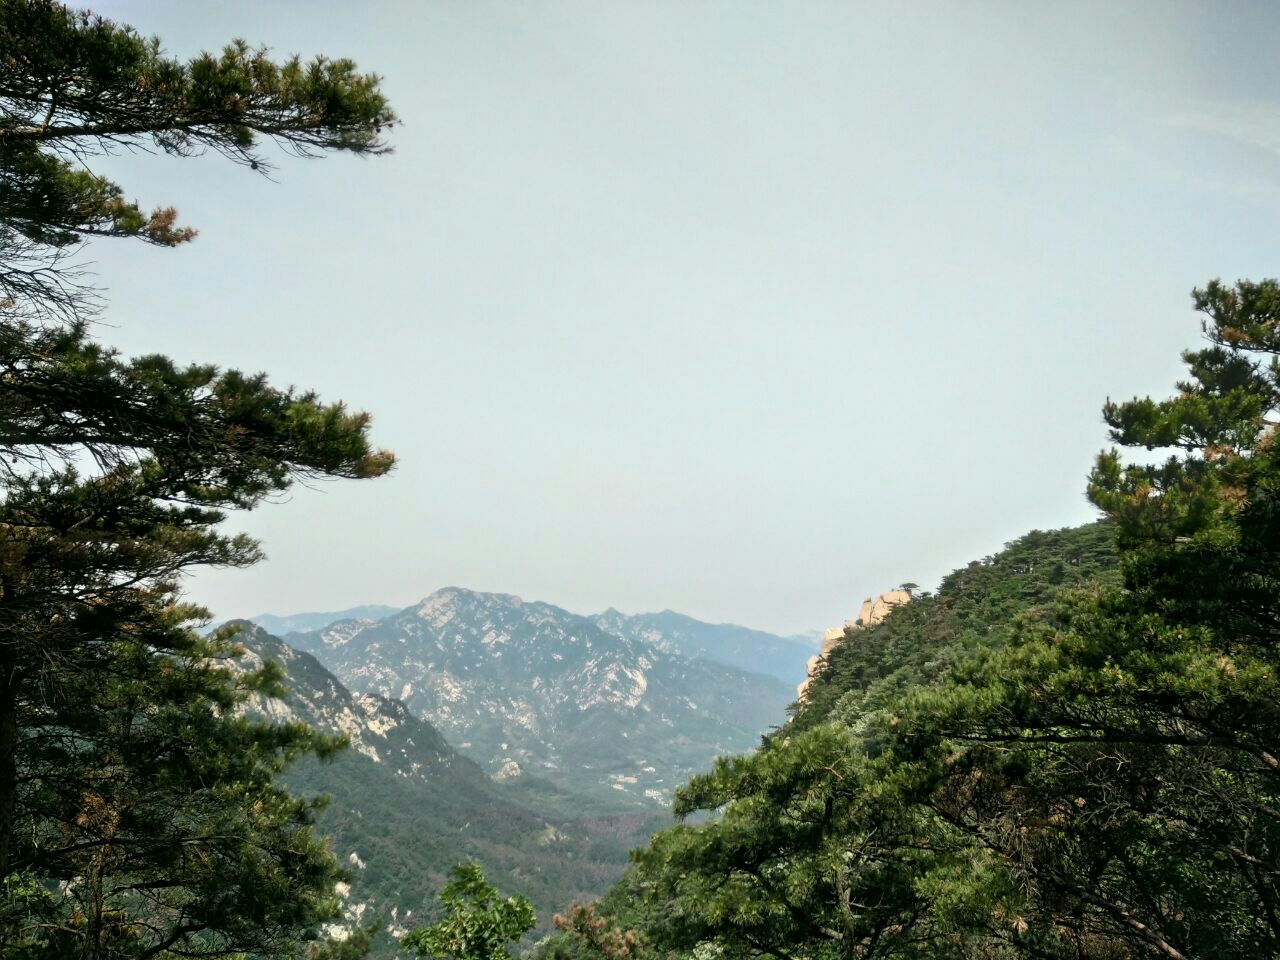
{"points": [[609, 711], [544, 744], [404, 806]]}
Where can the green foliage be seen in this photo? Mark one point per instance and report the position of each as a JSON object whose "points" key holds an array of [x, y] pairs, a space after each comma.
{"points": [[594, 932], [412, 814], [74, 85], [1068, 752], [140, 815], [1131, 733], [819, 843], [815, 851], [975, 608], [479, 923], [626, 910], [119, 754]]}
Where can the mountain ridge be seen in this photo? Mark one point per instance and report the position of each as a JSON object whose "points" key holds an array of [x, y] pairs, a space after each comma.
{"points": [[281, 624], [526, 687], [754, 651], [405, 806]]}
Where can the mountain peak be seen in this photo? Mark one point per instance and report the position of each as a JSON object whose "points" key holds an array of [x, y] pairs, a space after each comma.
{"points": [[449, 596], [588, 710]]}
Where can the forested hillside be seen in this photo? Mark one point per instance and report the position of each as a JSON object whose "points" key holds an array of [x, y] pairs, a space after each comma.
{"points": [[404, 807], [975, 607], [1070, 750]]}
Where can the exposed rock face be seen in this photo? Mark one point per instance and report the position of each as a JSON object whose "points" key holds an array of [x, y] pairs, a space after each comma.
{"points": [[874, 609], [531, 687], [405, 806], [509, 769]]}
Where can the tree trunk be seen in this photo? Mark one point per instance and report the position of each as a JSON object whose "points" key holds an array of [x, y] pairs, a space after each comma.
{"points": [[8, 749]]}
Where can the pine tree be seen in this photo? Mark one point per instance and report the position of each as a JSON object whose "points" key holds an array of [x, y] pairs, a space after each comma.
{"points": [[479, 923], [1093, 773], [74, 85], [139, 816], [1121, 754]]}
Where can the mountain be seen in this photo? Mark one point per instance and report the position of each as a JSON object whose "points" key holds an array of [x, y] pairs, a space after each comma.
{"points": [[751, 650], [302, 622], [532, 691], [810, 639], [775, 828], [405, 806], [975, 607]]}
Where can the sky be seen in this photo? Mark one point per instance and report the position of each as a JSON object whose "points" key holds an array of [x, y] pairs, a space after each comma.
{"points": [[748, 310]]}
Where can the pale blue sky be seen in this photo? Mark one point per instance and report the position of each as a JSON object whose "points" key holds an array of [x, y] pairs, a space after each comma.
{"points": [[744, 309]]}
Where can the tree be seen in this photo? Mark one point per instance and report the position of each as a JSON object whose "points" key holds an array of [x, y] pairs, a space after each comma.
{"points": [[818, 852], [1064, 765], [827, 842], [594, 932], [1121, 753], [479, 923], [74, 85], [138, 811]]}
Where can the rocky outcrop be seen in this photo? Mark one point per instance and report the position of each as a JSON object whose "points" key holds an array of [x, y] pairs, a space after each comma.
{"points": [[874, 609]]}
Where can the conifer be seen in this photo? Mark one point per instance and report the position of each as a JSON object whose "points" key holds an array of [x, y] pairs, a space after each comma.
{"points": [[139, 813]]}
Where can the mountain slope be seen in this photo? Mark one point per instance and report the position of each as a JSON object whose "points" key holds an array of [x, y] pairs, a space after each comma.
{"points": [[279, 625], [405, 806], [751, 650], [777, 827], [530, 689], [974, 607]]}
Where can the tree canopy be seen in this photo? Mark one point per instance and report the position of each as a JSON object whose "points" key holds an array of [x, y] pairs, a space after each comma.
{"points": [[1069, 751], [479, 923], [139, 815], [74, 85]]}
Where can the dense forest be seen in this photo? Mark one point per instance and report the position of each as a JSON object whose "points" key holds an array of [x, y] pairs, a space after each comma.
{"points": [[1069, 750]]}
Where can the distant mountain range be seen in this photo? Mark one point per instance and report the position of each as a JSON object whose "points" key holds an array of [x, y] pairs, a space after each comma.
{"points": [[303, 622], [603, 710], [542, 743], [751, 650], [405, 806], [755, 651]]}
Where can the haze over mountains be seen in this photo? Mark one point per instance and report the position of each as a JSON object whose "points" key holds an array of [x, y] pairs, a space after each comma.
{"points": [[543, 743], [752, 650], [405, 806], [603, 707], [755, 651], [302, 622]]}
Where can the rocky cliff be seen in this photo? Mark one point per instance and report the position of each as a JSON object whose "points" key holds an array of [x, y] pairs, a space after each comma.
{"points": [[874, 609]]}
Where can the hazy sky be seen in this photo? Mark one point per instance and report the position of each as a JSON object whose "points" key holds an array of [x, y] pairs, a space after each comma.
{"points": [[748, 310]]}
